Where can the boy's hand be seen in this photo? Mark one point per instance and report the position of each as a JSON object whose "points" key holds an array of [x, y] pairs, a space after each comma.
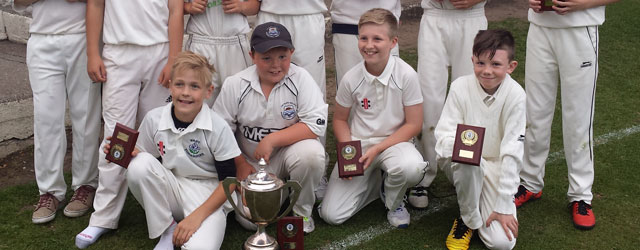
{"points": [[186, 228], [96, 69], [368, 156], [195, 6], [535, 5], [243, 170], [165, 76], [232, 6], [264, 149], [507, 221], [464, 4], [107, 148], [566, 6]]}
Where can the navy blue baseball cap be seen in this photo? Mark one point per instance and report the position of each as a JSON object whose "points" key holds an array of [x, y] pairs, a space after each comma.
{"points": [[270, 35]]}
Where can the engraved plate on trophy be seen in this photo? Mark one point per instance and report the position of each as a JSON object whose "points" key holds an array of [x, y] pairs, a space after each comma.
{"points": [[467, 147]]}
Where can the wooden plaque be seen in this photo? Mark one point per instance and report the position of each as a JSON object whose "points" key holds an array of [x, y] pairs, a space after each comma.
{"points": [[123, 141], [290, 233], [348, 155], [546, 5], [467, 147]]}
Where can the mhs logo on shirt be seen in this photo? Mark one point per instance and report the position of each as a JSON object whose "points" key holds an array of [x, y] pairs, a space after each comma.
{"points": [[257, 133]]}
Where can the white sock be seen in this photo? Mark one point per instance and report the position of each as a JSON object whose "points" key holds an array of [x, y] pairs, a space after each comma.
{"points": [[89, 236], [166, 239]]}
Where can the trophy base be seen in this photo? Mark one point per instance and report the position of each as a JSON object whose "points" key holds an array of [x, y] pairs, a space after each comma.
{"points": [[260, 241]]}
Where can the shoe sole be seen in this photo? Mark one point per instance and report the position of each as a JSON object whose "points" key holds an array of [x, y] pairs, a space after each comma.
{"points": [[74, 214], [583, 227], [42, 220], [403, 226], [530, 200], [419, 206]]}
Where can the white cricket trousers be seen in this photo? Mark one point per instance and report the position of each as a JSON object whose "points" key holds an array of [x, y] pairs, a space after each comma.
{"points": [[303, 162], [130, 92], [445, 39], [228, 55], [166, 197], [58, 73], [570, 55], [307, 35], [477, 193], [347, 53], [403, 166]]}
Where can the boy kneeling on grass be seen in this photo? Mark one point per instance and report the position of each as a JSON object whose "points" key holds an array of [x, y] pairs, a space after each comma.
{"points": [[197, 149], [489, 99]]}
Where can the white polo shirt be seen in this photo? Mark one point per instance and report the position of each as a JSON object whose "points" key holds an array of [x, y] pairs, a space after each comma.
{"points": [[447, 5], [139, 22], [293, 7], [377, 103], [349, 11], [215, 23], [251, 116], [189, 153], [54, 17]]}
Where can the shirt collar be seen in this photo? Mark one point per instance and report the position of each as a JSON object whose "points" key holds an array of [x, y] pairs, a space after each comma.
{"points": [[386, 73], [202, 120], [487, 98]]}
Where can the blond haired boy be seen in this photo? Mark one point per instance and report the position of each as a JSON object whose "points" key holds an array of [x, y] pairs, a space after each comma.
{"points": [[383, 95], [183, 201]]}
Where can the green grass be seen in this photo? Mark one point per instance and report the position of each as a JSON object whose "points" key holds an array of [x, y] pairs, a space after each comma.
{"points": [[544, 224]]}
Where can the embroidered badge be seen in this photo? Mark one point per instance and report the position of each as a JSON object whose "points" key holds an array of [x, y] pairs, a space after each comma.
{"points": [[273, 32], [288, 110], [365, 103], [194, 149], [320, 121], [168, 100]]}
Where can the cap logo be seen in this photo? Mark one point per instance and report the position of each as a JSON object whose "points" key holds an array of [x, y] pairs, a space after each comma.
{"points": [[273, 32]]}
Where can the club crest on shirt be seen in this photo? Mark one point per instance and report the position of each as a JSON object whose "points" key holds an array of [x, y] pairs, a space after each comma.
{"points": [[273, 32], [194, 149], [288, 110]]}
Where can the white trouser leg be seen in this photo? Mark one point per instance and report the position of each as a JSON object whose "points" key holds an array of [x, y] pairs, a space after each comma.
{"points": [[47, 79], [307, 34], [347, 54], [303, 162], [493, 236], [228, 55], [468, 181], [131, 90], [444, 40], [344, 198]]}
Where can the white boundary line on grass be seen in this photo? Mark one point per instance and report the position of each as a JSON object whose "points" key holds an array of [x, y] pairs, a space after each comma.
{"points": [[438, 204]]}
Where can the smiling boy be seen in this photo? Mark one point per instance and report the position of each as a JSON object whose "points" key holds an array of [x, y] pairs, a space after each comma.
{"points": [[383, 95], [489, 99], [196, 148], [277, 113]]}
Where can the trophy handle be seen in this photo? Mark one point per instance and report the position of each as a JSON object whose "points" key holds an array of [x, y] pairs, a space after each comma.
{"points": [[295, 186], [225, 186]]}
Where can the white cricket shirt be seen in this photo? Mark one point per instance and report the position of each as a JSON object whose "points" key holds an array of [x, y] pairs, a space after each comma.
{"points": [[138, 22], [349, 11], [215, 23], [55, 17], [293, 7]]}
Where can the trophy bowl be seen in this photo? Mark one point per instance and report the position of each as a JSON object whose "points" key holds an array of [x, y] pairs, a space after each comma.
{"points": [[261, 193]]}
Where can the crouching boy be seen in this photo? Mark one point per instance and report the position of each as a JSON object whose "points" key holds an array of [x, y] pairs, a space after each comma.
{"points": [[277, 113], [383, 96], [182, 197], [489, 99]]}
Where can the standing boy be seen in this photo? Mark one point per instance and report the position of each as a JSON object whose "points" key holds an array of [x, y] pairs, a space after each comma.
{"points": [[141, 39], [447, 29], [489, 99], [383, 95], [344, 28], [197, 149], [562, 44], [277, 113], [305, 22], [56, 61], [217, 30]]}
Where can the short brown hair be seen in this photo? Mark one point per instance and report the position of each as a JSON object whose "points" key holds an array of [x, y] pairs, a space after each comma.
{"points": [[195, 62], [380, 16], [492, 40]]}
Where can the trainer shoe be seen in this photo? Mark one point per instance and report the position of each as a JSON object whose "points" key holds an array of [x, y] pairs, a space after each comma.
{"points": [[46, 209], [81, 201], [399, 217], [308, 225], [418, 197], [523, 195], [459, 236], [583, 217]]}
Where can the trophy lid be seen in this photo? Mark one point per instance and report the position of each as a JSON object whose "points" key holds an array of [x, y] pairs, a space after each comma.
{"points": [[263, 180]]}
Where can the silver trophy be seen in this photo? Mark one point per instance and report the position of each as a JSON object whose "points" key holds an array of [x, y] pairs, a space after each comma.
{"points": [[261, 193]]}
